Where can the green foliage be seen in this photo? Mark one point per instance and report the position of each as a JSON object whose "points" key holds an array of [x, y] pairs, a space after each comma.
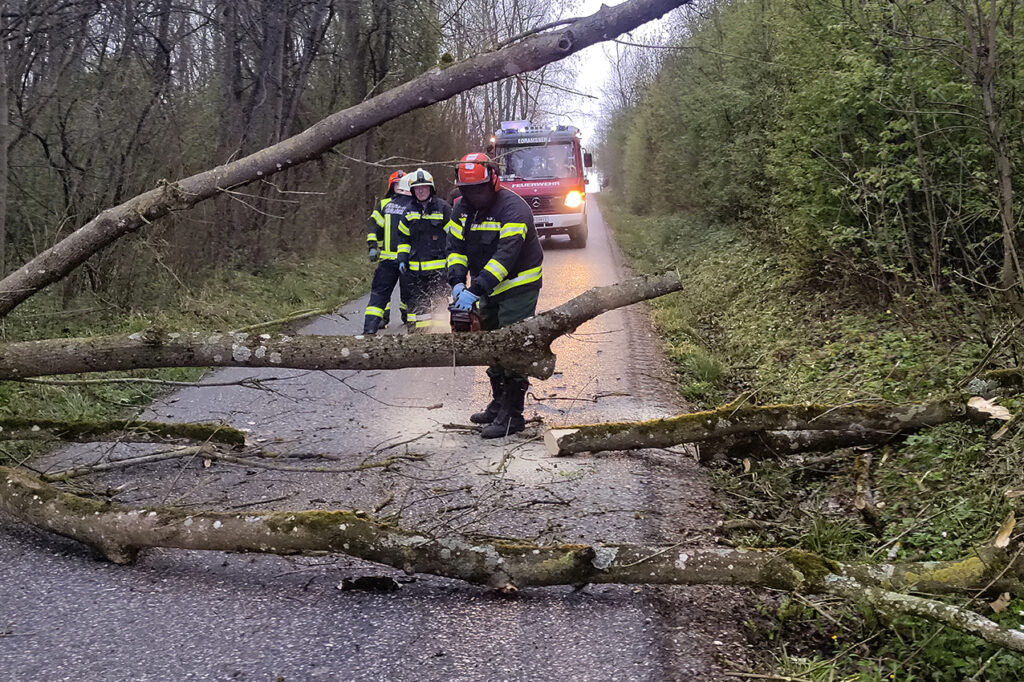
{"points": [[743, 322], [837, 539], [853, 136]]}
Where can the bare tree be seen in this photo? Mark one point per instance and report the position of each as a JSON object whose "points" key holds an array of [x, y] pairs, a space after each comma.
{"points": [[435, 85]]}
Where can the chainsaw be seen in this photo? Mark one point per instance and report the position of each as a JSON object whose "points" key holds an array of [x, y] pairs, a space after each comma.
{"points": [[464, 320]]}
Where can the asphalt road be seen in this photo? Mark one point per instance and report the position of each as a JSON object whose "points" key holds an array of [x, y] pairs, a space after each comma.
{"points": [[65, 615]]}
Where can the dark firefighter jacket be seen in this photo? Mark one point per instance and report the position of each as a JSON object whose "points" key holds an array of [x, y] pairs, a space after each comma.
{"points": [[498, 247], [422, 233], [383, 225]]}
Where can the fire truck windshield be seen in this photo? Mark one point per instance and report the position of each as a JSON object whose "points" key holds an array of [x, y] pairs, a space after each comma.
{"points": [[536, 162]]}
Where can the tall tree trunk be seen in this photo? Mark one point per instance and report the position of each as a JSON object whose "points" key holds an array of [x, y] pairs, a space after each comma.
{"points": [[3, 146], [355, 56], [982, 30], [230, 129]]}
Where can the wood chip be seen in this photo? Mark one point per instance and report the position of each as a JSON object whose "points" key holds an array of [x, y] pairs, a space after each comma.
{"points": [[1003, 536]]}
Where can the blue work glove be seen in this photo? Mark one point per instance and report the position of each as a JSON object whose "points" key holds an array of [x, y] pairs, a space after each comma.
{"points": [[457, 289], [465, 300], [374, 254], [402, 267]]}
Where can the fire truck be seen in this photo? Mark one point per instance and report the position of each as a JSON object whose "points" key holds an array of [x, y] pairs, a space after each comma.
{"points": [[545, 166]]}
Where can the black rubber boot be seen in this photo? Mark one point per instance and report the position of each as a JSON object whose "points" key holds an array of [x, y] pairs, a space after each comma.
{"points": [[510, 416], [491, 411], [371, 323]]}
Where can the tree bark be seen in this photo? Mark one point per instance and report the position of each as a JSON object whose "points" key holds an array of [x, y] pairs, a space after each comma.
{"points": [[982, 31], [523, 347], [4, 115], [745, 420], [433, 86], [893, 603], [782, 443], [125, 431]]}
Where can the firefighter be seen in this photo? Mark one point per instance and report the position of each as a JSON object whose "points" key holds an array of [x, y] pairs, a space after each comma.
{"points": [[421, 247], [492, 240], [382, 241]]}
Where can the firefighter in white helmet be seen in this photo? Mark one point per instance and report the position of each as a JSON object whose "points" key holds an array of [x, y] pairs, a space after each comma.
{"points": [[421, 247]]}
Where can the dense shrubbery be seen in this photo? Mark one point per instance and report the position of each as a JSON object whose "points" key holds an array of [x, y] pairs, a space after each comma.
{"points": [[862, 138]]}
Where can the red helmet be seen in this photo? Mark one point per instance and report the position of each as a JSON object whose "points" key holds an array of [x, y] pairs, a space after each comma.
{"points": [[475, 169], [393, 179]]}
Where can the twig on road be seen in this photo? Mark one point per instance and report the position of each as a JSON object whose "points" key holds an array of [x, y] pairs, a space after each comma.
{"points": [[342, 380], [209, 453], [266, 501], [378, 448]]}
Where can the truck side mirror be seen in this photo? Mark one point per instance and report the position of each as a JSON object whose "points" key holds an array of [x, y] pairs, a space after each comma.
{"points": [[588, 160]]}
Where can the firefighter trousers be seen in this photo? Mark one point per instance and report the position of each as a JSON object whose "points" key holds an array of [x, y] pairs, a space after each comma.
{"points": [[378, 310], [512, 307], [427, 288]]}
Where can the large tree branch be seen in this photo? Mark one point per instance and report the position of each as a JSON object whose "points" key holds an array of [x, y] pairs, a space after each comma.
{"points": [[120, 532], [903, 604], [123, 430], [870, 419], [782, 443], [523, 347], [433, 86]]}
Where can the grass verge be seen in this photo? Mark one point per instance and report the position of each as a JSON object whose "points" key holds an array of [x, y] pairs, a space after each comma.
{"points": [[741, 323], [227, 300]]}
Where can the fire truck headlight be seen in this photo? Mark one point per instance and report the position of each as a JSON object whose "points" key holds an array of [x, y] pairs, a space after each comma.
{"points": [[574, 199]]}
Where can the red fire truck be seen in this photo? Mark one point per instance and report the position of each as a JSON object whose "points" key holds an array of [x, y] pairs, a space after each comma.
{"points": [[545, 167]]}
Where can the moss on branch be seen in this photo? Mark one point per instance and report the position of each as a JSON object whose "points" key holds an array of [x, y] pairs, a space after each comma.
{"points": [[26, 428]]}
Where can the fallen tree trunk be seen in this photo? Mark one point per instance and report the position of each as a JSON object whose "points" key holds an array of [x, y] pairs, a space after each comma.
{"points": [[125, 431], [523, 347], [435, 85], [1012, 378], [120, 532], [783, 443], [868, 420]]}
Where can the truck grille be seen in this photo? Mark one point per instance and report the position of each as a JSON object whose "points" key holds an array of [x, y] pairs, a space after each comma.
{"points": [[549, 204]]}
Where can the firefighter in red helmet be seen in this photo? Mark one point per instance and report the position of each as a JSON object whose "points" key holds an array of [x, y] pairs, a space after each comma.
{"points": [[382, 240], [494, 264]]}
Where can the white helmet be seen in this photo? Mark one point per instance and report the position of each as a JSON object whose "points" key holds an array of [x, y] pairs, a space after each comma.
{"points": [[419, 178], [403, 186]]}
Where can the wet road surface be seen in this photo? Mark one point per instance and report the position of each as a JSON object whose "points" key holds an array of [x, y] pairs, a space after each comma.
{"points": [[215, 616]]}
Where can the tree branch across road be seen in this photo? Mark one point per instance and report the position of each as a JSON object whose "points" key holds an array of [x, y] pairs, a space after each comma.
{"points": [[523, 347]]}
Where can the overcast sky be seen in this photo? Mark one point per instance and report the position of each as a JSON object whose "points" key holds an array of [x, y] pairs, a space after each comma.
{"points": [[594, 67]]}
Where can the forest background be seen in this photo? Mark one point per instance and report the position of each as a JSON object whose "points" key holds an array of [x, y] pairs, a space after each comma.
{"points": [[106, 99]]}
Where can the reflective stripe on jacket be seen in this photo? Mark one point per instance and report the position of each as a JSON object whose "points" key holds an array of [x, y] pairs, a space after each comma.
{"points": [[383, 225], [498, 248], [422, 234]]}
